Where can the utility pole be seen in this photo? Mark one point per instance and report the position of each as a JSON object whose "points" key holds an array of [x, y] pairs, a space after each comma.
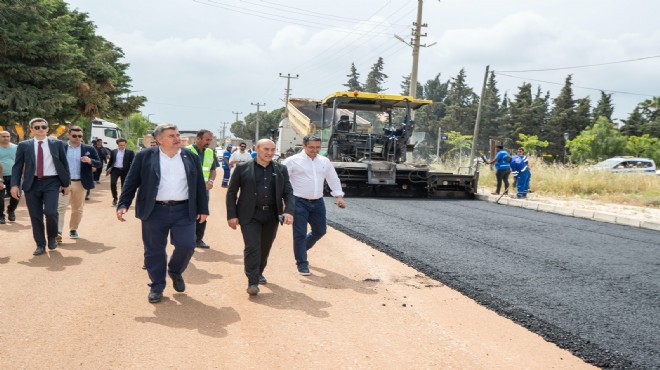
{"points": [[236, 113], [415, 44], [288, 89], [224, 127], [476, 124], [256, 134]]}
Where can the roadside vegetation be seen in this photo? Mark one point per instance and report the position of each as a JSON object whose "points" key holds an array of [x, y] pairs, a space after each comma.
{"points": [[571, 181]]}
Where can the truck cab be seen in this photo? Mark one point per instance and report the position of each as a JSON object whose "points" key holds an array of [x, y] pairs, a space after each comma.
{"points": [[106, 131]]}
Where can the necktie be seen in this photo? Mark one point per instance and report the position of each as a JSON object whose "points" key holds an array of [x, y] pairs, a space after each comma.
{"points": [[40, 161]]}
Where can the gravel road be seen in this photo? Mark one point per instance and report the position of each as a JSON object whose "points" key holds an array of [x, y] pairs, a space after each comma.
{"points": [[592, 288]]}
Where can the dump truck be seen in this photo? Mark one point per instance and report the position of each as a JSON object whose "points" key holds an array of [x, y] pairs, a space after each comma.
{"points": [[367, 138]]}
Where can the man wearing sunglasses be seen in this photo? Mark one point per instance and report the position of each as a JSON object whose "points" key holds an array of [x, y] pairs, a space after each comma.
{"points": [[42, 171], [82, 158]]}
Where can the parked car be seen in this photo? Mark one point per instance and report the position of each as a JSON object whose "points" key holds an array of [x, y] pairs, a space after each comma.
{"points": [[644, 166]]}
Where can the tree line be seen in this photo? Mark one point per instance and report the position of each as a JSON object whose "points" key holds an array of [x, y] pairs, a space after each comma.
{"points": [[55, 66]]}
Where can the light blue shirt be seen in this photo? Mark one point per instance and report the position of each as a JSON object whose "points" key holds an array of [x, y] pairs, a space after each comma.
{"points": [[73, 156], [7, 158]]}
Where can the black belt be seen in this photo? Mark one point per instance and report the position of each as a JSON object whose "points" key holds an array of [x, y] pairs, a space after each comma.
{"points": [[75, 179], [266, 208], [171, 202], [45, 177], [309, 200]]}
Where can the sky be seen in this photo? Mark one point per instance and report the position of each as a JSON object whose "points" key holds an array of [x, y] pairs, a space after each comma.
{"points": [[200, 61]]}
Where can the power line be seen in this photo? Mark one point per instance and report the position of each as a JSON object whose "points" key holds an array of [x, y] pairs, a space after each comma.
{"points": [[576, 86], [274, 17], [583, 66]]}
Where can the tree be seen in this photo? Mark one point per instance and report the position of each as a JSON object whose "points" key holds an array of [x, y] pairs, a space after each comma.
{"points": [[521, 113], [405, 87], [353, 83], [458, 143], [597, 143], [376, 78], [634, 125], [561, 120], [268, 124], [490, 113], [604, 108], [461, 105], [643, 146], [531, 143]]}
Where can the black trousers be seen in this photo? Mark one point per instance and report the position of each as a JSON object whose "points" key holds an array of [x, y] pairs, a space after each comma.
{"points": [[13, 203], [116, 173], [258, 236], [200, 228], [502, 176], [41, 201], [97, 173]]}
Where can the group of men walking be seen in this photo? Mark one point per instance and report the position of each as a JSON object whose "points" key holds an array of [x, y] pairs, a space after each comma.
{"points": [[171, 186]]}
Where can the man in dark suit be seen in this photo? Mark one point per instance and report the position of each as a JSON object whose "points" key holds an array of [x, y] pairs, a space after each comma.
{"points": [[104, 156], [265, 194], [171, 198], [118, 167], [42, 166], [82, 158]]}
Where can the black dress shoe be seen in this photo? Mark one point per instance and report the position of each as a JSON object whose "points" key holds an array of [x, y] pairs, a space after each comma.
{"points": [[178, 283], [253, 289], [155, 297], [39, 251], [2, 219], [12, 216], [52, 244], [201, 244], [114, 202], [262, 280]]}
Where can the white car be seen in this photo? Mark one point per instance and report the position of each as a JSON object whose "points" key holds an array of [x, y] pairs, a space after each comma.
{"points": [[644, 166]]}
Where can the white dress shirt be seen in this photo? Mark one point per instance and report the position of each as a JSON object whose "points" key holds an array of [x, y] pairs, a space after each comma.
{"points": [[119, 159], [49, 166], [173, 180], [307, 176]]}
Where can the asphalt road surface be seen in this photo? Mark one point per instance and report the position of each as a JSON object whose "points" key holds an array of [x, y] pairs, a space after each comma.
{"points": [[592, 288]]}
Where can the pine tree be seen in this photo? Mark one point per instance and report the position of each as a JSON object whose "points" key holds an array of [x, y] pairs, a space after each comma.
{"points": [[521, 113], [461, 105], [582, 118], [375, 78], [405, 87], [634, 125], [561, 120], [604, 108], [353, 83], [490, 113]]}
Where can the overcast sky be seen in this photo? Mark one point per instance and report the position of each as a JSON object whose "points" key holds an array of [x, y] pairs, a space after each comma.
{"points": [[197, 61]]}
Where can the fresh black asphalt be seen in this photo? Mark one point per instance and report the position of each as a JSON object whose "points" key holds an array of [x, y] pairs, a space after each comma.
{"points": [[592, 288]]}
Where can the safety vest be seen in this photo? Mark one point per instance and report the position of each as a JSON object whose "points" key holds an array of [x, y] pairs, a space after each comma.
{"points": [[207, 162]]}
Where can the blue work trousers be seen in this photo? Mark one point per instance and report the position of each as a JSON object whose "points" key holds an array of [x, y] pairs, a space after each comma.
{"points": [[164, 221], [226, 175], [310, 212], [523, 183]]}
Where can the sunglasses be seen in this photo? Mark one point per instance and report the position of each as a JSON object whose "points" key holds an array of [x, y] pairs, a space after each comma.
{"points": [[76, 136], [44, 127]]}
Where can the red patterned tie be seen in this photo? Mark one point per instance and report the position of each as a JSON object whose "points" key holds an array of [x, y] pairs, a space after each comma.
{"points": [[40, 161]]}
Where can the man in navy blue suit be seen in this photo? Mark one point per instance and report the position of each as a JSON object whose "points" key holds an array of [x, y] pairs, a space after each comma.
{"points": [[42, 166], [82, 159], [171, 198]]}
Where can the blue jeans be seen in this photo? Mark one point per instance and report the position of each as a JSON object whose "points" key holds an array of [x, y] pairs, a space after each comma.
{"points": [[310, 212], [165, 221]]}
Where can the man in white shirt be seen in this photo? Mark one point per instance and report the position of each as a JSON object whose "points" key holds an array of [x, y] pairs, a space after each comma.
{"points": [[240, 156], [307, 173], [171, 198]]}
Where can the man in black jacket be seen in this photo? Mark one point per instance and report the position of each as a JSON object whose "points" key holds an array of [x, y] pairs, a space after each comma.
{"points": [[265, 196], [118, 167]]}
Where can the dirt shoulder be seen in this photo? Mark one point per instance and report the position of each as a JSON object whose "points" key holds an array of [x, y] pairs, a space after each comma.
{"points": [[85, 305]]}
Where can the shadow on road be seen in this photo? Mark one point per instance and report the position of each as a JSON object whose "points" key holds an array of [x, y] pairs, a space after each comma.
{"points": [[194, 275], [188, 313], [85, 245], [52, 261], [212, 255], [323, 278], [4, 260], [285, 299]]}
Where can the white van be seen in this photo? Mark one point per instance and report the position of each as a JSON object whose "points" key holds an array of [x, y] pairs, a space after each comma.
{"points": [[107, 131]]}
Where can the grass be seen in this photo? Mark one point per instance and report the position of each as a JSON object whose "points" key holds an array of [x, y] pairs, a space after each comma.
{"points": [[578, 181]]}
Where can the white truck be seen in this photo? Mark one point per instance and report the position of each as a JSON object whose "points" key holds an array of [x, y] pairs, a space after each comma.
{"points": [[107, 131]]}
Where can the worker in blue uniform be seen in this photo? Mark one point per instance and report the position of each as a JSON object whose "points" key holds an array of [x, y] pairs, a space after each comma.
{"points": [[519, 166]]}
